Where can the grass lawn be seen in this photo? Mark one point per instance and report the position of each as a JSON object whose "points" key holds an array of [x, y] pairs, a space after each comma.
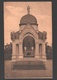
{"points": [[9, 73]]}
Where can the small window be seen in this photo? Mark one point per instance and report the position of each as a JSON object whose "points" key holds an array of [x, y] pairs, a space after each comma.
{"points": [[17, 48]]}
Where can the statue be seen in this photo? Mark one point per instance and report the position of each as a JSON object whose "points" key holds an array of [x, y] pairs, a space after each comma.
{"points": [[44, 35], [28, 9], [13, 35]]}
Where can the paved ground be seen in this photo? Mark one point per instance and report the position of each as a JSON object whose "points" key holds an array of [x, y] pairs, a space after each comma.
{"points": [[16, 74]]}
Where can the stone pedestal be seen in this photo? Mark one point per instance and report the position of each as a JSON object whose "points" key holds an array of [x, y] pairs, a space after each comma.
{"points": [[20, 51]]}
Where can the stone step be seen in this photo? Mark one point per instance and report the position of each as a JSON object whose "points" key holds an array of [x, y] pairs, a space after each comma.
{"points": [[28, 59], [29, 67], [28, 63]]}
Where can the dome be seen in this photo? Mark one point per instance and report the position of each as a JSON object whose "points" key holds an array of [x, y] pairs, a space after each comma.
{"points": [[28, 19]]}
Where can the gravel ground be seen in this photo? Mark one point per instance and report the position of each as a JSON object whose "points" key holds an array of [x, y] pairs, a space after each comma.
{"points": [[16, 74]]}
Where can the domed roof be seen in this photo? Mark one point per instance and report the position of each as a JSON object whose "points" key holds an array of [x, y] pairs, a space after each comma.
{"points": [[28, 19]]}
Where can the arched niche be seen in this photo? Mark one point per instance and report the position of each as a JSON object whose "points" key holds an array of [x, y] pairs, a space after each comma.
{"points": [[17, 49]]}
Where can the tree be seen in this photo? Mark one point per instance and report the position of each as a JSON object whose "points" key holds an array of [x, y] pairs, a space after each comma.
{"points": [[8, 51]]}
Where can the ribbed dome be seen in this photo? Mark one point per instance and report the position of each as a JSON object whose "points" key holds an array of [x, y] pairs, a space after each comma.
{"points": [[28, 19]]}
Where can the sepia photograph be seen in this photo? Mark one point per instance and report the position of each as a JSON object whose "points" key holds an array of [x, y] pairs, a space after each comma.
{"points": [[28, 40]]}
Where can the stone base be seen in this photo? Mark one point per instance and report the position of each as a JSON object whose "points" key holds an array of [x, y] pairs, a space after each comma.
{"points": [[41, 58], [44, 57], [44, 60], [20, 57], [16, 57], [28, 65], [37, 57], [13, 58]]}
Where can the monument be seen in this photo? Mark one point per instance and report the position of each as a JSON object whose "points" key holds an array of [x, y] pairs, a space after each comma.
{"points": [[28, 42]]}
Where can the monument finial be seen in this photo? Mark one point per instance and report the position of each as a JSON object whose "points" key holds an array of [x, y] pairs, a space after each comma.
{"points": [[28, 9]]}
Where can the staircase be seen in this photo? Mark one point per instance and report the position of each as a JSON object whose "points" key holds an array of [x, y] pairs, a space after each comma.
{"points": [[28, 64]]}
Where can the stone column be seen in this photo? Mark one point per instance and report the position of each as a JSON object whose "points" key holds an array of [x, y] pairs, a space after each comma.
{"points": [[37, 50], [13, 51], [20, 50], [43, 52]]}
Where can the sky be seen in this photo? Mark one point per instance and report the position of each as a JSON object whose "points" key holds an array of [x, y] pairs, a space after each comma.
{"points": [[14, 11]]}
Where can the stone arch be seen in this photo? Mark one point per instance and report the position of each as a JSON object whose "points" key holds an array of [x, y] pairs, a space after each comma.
{"points": [[28, 44], [29, 31], [29, 35]]}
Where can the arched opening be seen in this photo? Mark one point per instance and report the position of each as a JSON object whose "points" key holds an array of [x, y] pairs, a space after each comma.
{"points": [[17, 48], [29, 46], [40, 49]]}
